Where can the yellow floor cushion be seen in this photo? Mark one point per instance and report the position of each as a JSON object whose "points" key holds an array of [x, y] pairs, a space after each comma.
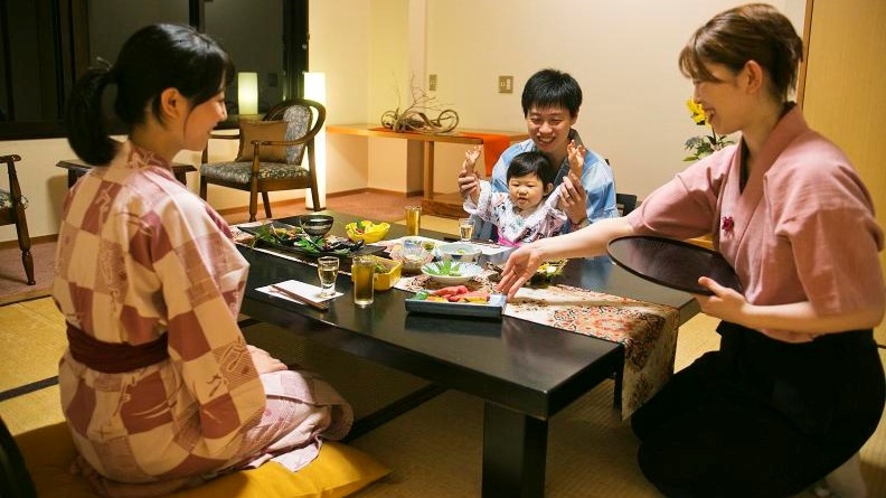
{"points": [[338, 471]]}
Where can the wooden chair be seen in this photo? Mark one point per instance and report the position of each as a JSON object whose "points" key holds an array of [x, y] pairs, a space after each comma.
{"points": [[625, 203], [12, 211], [271, 153]]}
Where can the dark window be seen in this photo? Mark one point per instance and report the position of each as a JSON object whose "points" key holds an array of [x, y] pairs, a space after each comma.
{"points": [[46, 44]]}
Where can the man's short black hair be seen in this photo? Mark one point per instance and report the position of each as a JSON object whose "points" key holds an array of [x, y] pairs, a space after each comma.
{"points": [[551, 88]]}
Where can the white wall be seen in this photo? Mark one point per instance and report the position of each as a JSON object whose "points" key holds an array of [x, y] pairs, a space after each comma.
{"points": [[622, 53], [42, 183], [339, 47]]}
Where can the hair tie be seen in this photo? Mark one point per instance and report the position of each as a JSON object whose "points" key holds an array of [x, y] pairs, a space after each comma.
{"points": [[106, 68]]}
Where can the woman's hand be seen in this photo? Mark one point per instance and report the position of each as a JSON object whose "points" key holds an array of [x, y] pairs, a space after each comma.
{"points": [[725, 304], [729, 305], [264, 362], [520, 267]]}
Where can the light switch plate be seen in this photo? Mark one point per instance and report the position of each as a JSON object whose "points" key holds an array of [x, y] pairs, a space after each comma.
{"points": [[505, 84], [432, 82]]}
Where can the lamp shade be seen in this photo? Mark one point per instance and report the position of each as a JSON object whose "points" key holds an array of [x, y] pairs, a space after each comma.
{"points": [[247, 93], [315, 89]]}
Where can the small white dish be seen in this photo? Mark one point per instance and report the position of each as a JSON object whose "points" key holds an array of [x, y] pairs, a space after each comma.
{"points": [[466, 271], [462, 252]]}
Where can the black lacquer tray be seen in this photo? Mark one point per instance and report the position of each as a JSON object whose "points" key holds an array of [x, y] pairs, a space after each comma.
{"points": [[672, 263]]}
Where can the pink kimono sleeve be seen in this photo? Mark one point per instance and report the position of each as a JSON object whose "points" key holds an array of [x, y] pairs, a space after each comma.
{"points": [[203, 279], [826, 213], [686, 206]]}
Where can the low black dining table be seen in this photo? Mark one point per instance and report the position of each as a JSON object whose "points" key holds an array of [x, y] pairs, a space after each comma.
{"points": [[525, 372]]}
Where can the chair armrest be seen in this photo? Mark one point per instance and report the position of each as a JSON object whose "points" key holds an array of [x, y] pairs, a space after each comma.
{"points": [[15, 192], [285, 143]]}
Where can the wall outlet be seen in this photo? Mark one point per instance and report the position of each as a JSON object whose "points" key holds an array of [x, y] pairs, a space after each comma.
{"points": [[432, 82], [505, 84]]}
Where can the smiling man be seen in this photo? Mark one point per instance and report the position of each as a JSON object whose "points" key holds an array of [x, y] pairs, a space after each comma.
{"points": [[551, 101]]}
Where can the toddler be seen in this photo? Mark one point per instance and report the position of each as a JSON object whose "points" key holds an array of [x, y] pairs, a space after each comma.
{"points": [[528, 211]]}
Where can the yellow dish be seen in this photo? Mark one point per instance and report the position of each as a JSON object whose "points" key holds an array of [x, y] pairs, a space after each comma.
{"points": [[387, 273], [368, 231]]}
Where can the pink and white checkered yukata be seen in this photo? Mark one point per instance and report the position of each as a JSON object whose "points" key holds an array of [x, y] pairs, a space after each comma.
{"points": [[144, 262]]}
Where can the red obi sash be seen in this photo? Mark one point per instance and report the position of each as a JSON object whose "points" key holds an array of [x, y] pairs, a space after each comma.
{"points": [[108, 357]]}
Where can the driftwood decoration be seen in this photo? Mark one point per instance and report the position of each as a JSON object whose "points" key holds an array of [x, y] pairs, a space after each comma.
{"points": [[416, 118]]}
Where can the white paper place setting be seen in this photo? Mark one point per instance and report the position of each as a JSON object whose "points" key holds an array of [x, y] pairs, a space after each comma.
{"points": [[300, 292]]}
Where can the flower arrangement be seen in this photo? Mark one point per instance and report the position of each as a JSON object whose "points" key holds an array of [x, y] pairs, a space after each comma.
{"points": [[415, 117], [703, 145]]}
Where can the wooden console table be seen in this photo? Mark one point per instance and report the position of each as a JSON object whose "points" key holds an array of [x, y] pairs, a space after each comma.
{"points": [[77, 168], [447, 205]]}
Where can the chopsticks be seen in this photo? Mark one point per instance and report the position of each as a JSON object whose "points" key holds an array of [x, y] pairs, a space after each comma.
{"points": [[297, 297], [478, 242]]}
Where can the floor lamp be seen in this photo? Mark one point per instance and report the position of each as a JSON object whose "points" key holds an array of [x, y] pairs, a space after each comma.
{"points": [[315, 89], [247, 93]]}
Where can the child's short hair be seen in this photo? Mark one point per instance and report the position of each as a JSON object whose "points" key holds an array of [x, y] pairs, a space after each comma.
{"points": [[532, 162]]}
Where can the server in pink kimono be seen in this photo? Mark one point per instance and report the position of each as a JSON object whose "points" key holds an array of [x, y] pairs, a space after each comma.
{"points": [[796, 387], [158, 386]]}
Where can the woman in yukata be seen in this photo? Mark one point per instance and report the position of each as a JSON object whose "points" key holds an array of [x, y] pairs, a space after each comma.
{"points": [[159, 388], [796, 387], [528, 211]]}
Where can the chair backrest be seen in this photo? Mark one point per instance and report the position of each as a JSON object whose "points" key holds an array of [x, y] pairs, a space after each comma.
{"points": [[304, 119], [625, 203], [15, 482]]}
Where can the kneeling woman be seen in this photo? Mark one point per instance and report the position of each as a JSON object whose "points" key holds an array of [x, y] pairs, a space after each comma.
{"points": [[158, 386]]}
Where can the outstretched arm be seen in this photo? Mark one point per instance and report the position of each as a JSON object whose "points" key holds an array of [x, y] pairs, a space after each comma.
{"points": [[590, 241]]}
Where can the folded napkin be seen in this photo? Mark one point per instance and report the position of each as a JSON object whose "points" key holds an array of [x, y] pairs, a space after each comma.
{"points": [[307, 292]]}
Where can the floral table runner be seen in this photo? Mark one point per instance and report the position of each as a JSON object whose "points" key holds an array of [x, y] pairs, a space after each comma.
{"points": [[648, 331]]}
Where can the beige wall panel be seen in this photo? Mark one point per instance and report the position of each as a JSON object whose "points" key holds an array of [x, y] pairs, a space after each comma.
{"points": [[845, 94]]}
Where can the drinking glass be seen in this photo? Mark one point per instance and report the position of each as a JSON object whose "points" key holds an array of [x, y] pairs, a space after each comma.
{"points": [[363, 275], [465, 229], [413, 220], [327, 269]]}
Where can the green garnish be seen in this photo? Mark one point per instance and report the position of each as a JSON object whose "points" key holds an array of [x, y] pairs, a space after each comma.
{"points": [[444, 269], [297, 238]]}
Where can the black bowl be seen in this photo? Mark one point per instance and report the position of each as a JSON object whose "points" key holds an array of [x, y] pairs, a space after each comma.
{"points": [[315, 224]]}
